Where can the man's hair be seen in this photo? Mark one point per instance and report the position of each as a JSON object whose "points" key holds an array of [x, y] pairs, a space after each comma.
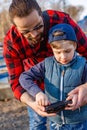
{"points": [[22, 8]]}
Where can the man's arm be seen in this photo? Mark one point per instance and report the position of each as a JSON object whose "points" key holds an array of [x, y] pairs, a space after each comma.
{"points": [[29, 101], [79, 94], [15, 68]]}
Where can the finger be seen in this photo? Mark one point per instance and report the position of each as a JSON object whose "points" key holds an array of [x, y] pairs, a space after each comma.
{"points": [[46, 114], [40, 102], [74, 91], [75, 101], [80, 98], [41, 108], [69, 97], [68, 108], [46, 102], [72, 106], [43, 113]]}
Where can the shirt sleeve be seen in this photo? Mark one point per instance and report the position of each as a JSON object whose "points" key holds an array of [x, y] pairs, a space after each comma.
{"points": [[81, 38], [27, 79], [14, 66]]}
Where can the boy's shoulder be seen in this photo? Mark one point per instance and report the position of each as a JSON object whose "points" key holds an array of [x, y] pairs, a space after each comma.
{"points": [[49, 58]]}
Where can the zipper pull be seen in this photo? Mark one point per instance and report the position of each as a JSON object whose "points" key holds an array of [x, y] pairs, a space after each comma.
{"points": [[63, 72]]}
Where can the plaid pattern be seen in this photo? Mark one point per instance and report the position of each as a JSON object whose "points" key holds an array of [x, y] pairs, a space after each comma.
{"points": [[20, 56]]}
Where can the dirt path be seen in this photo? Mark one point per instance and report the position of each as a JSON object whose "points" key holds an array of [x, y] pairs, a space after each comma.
{"points": [[13, 115]]}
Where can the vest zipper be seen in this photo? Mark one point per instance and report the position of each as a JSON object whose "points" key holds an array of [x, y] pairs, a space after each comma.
{"points": [[61, 93]]}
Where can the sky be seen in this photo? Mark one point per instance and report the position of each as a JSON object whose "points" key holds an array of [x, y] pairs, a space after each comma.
{"points": [[82, 3], [73, 2]]}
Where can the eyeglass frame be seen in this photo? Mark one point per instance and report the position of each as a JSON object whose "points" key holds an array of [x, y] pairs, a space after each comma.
{"points": [[35, 28]]}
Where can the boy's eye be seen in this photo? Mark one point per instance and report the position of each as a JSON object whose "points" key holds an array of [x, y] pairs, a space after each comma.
{"points": [[67, 51]]}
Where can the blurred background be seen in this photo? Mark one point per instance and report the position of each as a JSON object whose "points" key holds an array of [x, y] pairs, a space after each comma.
{"points": [[13, 114]]}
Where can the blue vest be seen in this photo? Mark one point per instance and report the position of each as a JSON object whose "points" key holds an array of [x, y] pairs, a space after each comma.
{"points": [[59, 81]]}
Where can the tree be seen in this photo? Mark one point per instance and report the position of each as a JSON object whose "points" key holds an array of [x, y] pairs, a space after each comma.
{"points": [[4, 24], [51, 4], [74, 11], [4, 19]]}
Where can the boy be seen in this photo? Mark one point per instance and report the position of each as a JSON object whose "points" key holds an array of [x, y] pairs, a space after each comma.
{"points": [[61, 73]]}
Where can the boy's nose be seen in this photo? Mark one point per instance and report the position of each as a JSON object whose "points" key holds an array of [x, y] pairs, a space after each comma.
{"points": [[63, 56]]}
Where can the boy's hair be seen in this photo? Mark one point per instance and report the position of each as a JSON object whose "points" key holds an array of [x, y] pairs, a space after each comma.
{"points": [[58, 44], [22, 8], [62, 32]]}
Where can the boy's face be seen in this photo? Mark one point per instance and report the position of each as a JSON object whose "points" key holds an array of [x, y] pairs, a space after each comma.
{"points": [[30, 26], [63, 51]]}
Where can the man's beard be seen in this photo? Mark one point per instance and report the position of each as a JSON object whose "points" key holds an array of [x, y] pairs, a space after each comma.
{"points": [[34, 41]]}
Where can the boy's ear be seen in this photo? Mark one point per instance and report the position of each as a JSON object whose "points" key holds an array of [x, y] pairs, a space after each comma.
{"points": [[75, 45]]}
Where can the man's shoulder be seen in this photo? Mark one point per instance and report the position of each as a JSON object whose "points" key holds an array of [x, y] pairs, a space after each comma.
{"points": [[53, 12], [11, 32], [12, 35]]}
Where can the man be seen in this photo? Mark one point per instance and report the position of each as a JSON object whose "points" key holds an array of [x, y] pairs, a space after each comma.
{"points": [[26, 44]]}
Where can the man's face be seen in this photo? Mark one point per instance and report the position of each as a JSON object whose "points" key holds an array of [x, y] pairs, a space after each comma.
{"points": [[31, 27]]}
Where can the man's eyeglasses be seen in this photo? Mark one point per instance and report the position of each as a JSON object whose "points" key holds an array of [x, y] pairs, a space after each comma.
{"points": [[35, 28]]}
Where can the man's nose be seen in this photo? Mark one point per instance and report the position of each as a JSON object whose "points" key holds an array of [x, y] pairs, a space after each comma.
{"points": [[33, 33]]}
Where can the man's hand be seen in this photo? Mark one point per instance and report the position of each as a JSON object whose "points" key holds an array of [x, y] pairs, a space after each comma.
{"points": [[29, 101], [74, 99], [40, 109], [81, 92]]}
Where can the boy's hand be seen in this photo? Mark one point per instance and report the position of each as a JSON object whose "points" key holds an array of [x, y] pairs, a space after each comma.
{"points": [[29, 101], [42, 99]]}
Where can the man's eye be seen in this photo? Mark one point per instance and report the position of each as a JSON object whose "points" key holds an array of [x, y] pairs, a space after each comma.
{"points": [[26, 32], [38, 27], [58, 52]]}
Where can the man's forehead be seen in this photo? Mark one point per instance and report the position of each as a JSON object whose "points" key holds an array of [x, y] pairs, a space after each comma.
{"points": [[29, 21]]}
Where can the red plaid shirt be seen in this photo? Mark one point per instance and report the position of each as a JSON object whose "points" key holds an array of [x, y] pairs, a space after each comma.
{"points": [[20, 56]]}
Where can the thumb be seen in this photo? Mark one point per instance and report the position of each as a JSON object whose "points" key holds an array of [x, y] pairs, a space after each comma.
{"points": [[42, 108], [74, 91]]}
